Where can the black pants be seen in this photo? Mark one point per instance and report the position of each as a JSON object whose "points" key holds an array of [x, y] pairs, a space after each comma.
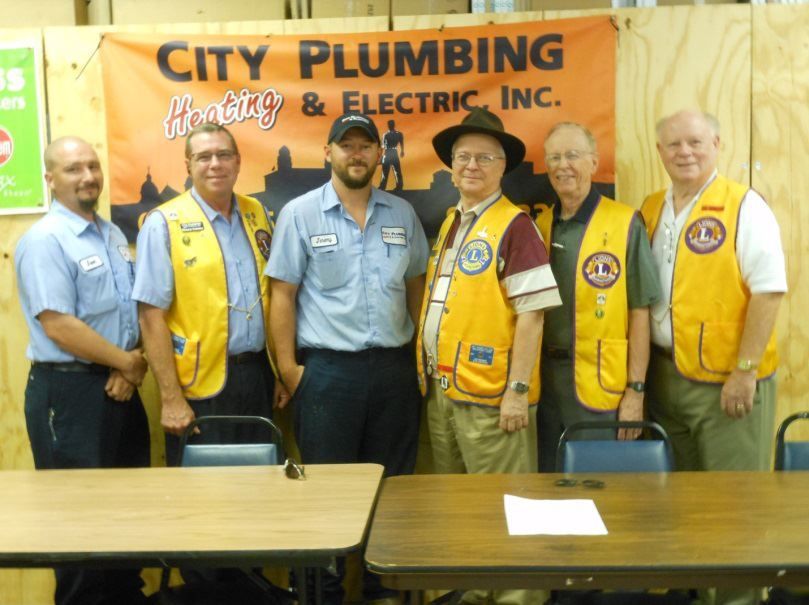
{"points": [[73, 424], [248, 392], [358, 407]]}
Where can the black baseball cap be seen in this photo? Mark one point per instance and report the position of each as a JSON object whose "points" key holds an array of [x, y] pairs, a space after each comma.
{"points": [[348, 121]]}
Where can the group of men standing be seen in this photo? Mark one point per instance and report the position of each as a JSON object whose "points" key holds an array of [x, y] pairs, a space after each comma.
{"points": [[236, 317]]}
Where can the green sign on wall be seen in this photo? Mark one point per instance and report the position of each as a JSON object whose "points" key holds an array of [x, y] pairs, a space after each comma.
{"points": [[22, 188]]}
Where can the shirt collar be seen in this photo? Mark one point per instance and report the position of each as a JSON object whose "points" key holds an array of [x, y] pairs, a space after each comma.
{"points": [[330, 199], [669, 199], [210, 213], [481, 206], [78, 224], [584, 212]]}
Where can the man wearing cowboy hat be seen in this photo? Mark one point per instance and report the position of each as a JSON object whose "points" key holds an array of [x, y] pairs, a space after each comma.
{"points": [[488, 283]]}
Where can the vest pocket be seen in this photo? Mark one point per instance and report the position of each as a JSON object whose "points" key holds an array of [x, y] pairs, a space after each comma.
{"points": [[186, 359], [718, 344], [611, 360], [481, 370]]}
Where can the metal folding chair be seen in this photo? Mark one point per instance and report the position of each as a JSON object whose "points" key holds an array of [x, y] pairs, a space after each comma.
{"points": [[234, 454], [613, 456], [791, 455]]}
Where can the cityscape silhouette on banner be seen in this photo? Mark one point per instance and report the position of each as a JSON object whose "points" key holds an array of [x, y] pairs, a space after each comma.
{"points": [[284, 183]]}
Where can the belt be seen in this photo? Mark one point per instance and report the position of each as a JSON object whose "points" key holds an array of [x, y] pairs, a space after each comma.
{"points": [[247, 357], [555, 353], [72, 366], [663, 351]]}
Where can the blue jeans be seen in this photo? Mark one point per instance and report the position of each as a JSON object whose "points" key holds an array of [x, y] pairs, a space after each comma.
{"points": [[73, 424], [358, 407]]}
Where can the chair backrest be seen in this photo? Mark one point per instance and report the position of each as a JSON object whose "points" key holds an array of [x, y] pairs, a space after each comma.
{"points": [[613, 456], [791, 455], [231, 454]]}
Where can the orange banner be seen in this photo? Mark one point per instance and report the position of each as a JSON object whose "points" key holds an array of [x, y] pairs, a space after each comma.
{"points": [[279, 95]]}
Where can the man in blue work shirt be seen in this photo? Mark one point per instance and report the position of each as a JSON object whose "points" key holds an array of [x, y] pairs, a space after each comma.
{"points": [[347, 269], [82, 408]]}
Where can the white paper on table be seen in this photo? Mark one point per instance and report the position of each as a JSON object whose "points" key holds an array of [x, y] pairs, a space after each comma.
{"points": [[527, 517]]}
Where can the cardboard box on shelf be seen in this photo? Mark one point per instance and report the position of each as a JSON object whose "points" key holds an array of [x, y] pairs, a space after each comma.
{"points": [[43, 13], [350, 8], [429, 7], [195, 11]]}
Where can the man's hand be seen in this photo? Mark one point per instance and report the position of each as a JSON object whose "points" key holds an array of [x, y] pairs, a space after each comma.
{"points": [[292, 378], [280, 397], [513, 412], [737, 393], [176, 415], [118, 387], [136, 368], [630, 410]]}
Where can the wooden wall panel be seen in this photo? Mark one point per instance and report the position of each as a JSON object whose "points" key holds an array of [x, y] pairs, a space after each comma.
{"points": [[780, 152]]}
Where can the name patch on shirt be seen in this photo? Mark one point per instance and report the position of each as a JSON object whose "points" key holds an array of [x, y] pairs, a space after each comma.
{"points": [[482, 355], [195, 226], [126, 253], [394, 235], [90, 263], [323, 240]]}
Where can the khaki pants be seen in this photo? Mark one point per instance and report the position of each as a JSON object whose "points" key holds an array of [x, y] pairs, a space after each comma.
{"points": [[468, 439]]}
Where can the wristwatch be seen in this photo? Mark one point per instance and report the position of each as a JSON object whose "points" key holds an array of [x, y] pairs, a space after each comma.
{"points": [[746, 365], [518, 386], [638, 387]]}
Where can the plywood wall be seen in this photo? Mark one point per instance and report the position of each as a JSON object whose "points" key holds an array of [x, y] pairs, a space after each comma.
{"points": [[749, 65]]}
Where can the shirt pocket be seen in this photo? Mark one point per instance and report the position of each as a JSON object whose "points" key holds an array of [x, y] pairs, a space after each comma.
{"points": [[481, 370], [329, 269], [394, 267], [97, 294]]}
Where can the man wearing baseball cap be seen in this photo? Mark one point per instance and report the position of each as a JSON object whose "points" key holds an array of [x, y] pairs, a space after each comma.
{"points": [[347, 275]]}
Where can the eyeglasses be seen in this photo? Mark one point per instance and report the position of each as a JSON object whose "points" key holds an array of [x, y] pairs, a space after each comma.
{"points": [[205, 157], [572, 156], [589, 483], [293, 470], [481, 159]]}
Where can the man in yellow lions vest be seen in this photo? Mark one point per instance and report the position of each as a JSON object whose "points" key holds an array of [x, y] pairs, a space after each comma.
{"points": [[717, 247], [203, 303], [595, 347], [488, 282]]}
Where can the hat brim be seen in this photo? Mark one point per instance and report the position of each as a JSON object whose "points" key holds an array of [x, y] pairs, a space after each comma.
{"points": [[513, 147]]}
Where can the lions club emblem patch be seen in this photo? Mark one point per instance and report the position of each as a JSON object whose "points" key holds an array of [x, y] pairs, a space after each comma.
{"points": [[601, 269], [705, 235], [475, 257]]}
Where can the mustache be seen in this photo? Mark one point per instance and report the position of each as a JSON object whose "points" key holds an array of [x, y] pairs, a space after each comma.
{"points": [[358, 163]]}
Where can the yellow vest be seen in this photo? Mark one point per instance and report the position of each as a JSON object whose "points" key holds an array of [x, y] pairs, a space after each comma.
{"points": [[476, 330], [600, 316], [708, 296], [198, 316]]}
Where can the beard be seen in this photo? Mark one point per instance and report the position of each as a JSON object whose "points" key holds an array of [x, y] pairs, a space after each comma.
{"points": [[89, 205], [354, 182]]}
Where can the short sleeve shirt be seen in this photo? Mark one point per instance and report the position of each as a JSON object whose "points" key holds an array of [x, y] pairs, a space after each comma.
{"points": [[73, 266], [351, 293]]}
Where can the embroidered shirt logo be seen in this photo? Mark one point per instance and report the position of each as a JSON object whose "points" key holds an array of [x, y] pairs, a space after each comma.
{"points": [[705, 235], [601, 269], [475, 257]]}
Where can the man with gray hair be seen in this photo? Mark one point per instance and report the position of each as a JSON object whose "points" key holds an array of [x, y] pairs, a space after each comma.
{"points": [[595, 348], [717, 248]]}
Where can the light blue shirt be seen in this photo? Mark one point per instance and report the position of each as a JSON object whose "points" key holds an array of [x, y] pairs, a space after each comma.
{"points": [[76, 267], [351, 293], [154, 275]]}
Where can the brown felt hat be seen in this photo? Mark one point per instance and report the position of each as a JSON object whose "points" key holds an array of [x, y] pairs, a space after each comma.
{"points": [[480, 121]]}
